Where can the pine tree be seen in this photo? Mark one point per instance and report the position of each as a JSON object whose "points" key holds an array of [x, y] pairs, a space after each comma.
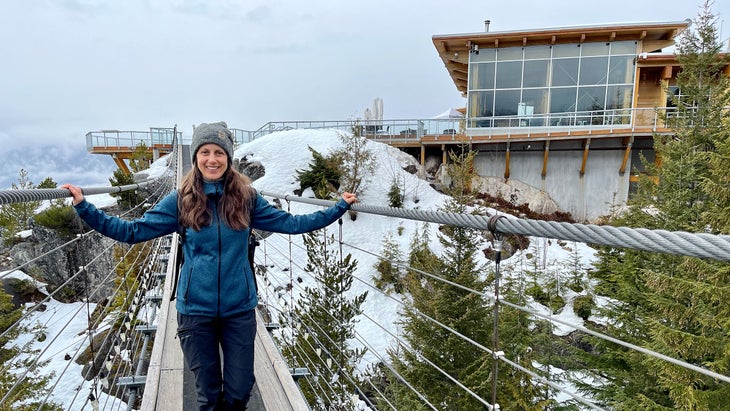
{"points": [[26, 394], [395, 195], [141, 158], [389, 267], [14, 217], [129, 198], [466, 310], [325, 318], [323, 175], [678, 306], [357, 162]]}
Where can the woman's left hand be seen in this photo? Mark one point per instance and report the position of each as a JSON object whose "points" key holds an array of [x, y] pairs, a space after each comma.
{"points": [[349, 198]]}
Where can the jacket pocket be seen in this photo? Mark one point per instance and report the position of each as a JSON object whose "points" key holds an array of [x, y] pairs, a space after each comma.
{"points": [[188, 280]]}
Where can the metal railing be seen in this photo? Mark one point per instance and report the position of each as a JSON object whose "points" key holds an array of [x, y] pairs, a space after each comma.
{"points": [[115, 138], [406, 131], [413, 130]]}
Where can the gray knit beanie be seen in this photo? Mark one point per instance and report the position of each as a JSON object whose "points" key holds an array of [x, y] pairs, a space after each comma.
{"points": [[216, 133]]}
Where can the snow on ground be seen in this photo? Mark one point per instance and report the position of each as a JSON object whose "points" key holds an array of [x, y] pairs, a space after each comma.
{"points": [[66, 337], [274, 152], [282, 154]]}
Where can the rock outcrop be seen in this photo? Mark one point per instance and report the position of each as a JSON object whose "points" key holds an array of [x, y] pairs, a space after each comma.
{"points": [[46, 260]]}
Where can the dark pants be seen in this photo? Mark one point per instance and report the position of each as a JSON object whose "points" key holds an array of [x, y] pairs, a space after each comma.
{"points": [[202, 339]]}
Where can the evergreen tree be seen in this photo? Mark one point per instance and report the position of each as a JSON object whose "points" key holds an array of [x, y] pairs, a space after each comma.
{"points": [[389, 267], [141, 158], [325, 321], [129, 198], [678, 306], [26, 394], [395, 196], [14, 217], [357, 162], [323, 175], [467, 312]]}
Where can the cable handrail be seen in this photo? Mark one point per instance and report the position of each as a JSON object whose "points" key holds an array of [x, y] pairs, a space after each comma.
{"points": [[40, 194], [703, 245]]}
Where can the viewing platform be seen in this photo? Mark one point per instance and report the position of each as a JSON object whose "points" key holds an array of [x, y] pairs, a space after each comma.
{"points": [[122, 145]]}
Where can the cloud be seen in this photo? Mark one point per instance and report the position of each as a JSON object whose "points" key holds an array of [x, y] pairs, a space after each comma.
{"points": [[63, 163]]}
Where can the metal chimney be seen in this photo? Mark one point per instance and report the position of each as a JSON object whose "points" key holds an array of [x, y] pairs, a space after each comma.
{"points": [[486, 25]]}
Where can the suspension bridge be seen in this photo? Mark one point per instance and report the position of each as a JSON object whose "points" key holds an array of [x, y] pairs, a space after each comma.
{"points": [[141, 348]]}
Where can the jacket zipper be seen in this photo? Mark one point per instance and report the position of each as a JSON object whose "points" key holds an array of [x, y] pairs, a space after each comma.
{"points": [[218, 223]]}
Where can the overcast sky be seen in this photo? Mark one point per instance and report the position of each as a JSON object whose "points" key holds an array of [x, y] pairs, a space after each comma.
{"points": [[72, 66]]}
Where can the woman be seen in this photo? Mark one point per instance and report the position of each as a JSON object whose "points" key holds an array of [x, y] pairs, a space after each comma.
{"points": [[216, 295]]}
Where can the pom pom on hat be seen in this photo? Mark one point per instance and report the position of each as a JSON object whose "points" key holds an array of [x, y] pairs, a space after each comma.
{"points": [[216, 133]]}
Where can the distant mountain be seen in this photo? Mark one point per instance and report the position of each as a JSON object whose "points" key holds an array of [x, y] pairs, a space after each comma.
{"points": [[65, 163]]}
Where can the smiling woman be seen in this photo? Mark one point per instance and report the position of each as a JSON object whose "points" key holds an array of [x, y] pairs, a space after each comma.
{"points": [[213, 210], [212, 149]]}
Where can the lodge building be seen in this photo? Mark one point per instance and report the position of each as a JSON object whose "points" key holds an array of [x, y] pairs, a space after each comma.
{"points": [[568, 111]]}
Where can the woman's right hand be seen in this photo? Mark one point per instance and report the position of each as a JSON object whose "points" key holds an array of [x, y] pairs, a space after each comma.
{"points": [[349, 198], [76, 193]]}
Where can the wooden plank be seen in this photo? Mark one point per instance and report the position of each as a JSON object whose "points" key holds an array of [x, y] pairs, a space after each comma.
{"points": [[277, 387], [164, 385], [171, 381]]}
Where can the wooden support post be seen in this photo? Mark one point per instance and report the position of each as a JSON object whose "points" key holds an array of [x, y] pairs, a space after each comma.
{"points": [[545, 156], [444, 157], [627, 153], [121, 164], [585, 157], [506, 163], [423, 155]]}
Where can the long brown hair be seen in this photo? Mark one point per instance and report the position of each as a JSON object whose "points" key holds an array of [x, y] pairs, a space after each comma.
{"points": [[233, 205]]}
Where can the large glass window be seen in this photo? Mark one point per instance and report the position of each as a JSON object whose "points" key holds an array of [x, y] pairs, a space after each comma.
{"points": [[506, 102], [537, 99], [594, 49], [481, 104], [621, 69], [623, 47], [509, 53], [562, 99], [566, 50], [593, 70], [484, 55], [482, 76], [537, 52], [618, 97], [591, 98], [536, 73], [509, 74], [565, 72], [560, 80]]}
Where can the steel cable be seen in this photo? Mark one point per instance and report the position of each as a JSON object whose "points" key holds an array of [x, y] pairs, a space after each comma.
{"points": [[702, 245]]}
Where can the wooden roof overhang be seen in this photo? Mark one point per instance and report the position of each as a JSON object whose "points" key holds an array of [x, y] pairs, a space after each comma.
{"points": [[454, 48]]}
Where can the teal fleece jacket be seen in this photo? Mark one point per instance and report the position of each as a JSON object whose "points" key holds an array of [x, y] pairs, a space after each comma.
{"points": [[216, 278]]}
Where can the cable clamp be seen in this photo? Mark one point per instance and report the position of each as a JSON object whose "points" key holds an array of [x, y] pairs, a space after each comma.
{"points": [[492, 225]]}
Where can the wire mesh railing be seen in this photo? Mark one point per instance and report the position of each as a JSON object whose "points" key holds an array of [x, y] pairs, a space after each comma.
{"points": [[279, 286], [282, 256]]}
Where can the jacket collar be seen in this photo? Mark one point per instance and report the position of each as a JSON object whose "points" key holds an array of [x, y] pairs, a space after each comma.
{"points": [[213, 188]]}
